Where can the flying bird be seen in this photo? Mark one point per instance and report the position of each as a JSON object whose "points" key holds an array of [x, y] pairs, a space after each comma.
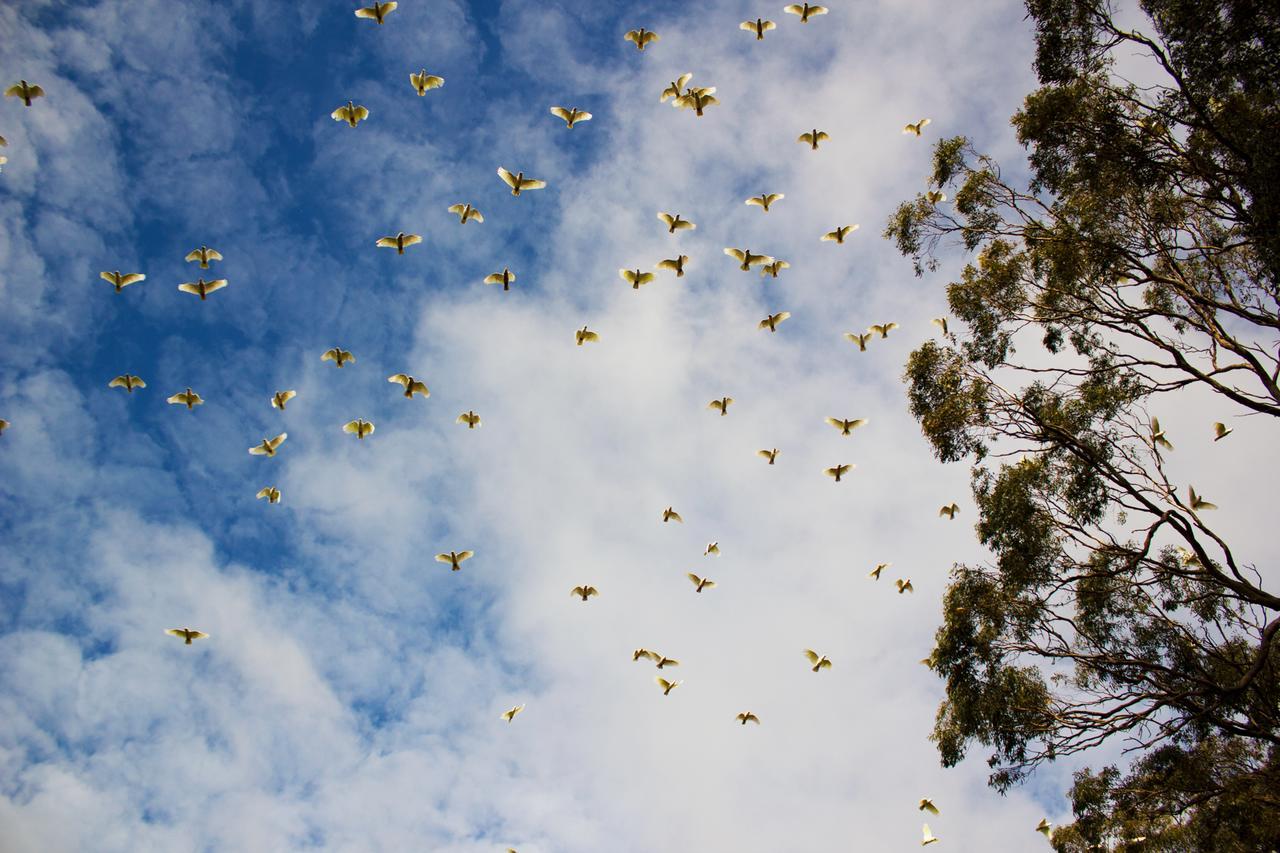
{"points": [[675, 223], [571, 116], [400, 242], [941, 323], [771, 322], [772, 269], [121, 280], [641, 37], [927, 836], [713, 548], [519, 183], [511, 714], [471, 419], [883, 329], [187, 398], [818, 661], [846, 427], [839, 471], [838, 235], [454, 558], [747, 717], [667, 686], [917, 127], [1221, 431], [378, 11], [27, 91], [269, 446], [747, 259], [635, 277], [466, 212], [722, 405], [926, 805], [700, 583], [204, 255], [662, 661], [874, 574], [271, 493], [805, 11], [1198, 501], [949, 511], [203, 288], [676, 89], [643, 653], [359, 428], [813, 137], [410, 385], [1044, 827], [351, 113], [759, 26], [935, 196], [280, 398], [338, 356], [670, 514], [128, 382], [860, 340], [585, 335], [187, 634], [584, 592], [697, 99], [4, 425], [422, 82], [904, 586], [1158, 436], [764, 200], [771, 455], [677, 264], [503, 278]]}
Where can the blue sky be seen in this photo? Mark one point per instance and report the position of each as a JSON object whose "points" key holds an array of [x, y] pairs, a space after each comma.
{"points": [[348, 698]]}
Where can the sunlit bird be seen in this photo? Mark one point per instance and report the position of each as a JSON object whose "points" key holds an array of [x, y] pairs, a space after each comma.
{"points": [[949, 511], [584, 592], [667, 686], [1158, 435], [773, 268], [351, 113], [128, 382], [813, 137], [635, 277], [641, 37], [874, 574], [585, 335], [1044, 827], [400, 242], [846, 427], [269, 446], [883, 329], [676, 88], [838, 235], [519, 183], [927, 836], [805, 11], [203, 255], [662, 661], [675, 223], [904, 586], [747, 717], [359, 428], [926, 805], [510, 714], [338, 356], [771, 322], [271, 493], [471, 419], [747, 259], [764, 200], [860, 340], [410, 385], [697, 99], [935, 196], [670, 514], [570, 116], [818, 661], [643, 653], [466, 212], [203, 288], [722, 405], [771, 455], [700, 583], [121, 280], [675, 264], [917, 127], [378, 11], [27, 91], [504, 278], [941, 323], [713, 549], [187, 398], [424, 82], [187, 634], [455, 558], [839, 471], [1198, 501], [281, 398]]}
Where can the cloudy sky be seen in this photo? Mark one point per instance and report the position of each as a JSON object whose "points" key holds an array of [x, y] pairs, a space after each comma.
{"points": [[349, 696]]}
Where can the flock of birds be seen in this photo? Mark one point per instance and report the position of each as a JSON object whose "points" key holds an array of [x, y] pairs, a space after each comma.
{"points": [[681, 96]]}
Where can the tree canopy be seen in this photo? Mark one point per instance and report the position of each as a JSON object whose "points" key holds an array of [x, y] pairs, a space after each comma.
{"points": [[1135, 269]]}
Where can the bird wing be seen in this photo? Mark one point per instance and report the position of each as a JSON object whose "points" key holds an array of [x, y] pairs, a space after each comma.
{"points": [[412, 239], [457, 209], [131, 278], [14, 91], [352, 427], [189, 287], [781, 316], [756, 200], [562, 113], [118, 382], [340, 114], [278, 440], [767, 454], [817, 10], [418, 387], [836, 422], [694, 578], [736, 254], [532, 184], [387, 243], [465, 555], [590, 336], [666, 218], [813, 656], [644, 278], [444, 558], [400, 378], [509, 178], [367, 13], [216, 284], [794, 9]]}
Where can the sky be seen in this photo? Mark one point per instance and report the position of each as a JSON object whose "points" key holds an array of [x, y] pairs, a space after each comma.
{"points": [[350, 693]]}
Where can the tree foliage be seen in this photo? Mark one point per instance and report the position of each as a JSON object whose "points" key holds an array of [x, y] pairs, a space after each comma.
{"points": [[1138, 264]]}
